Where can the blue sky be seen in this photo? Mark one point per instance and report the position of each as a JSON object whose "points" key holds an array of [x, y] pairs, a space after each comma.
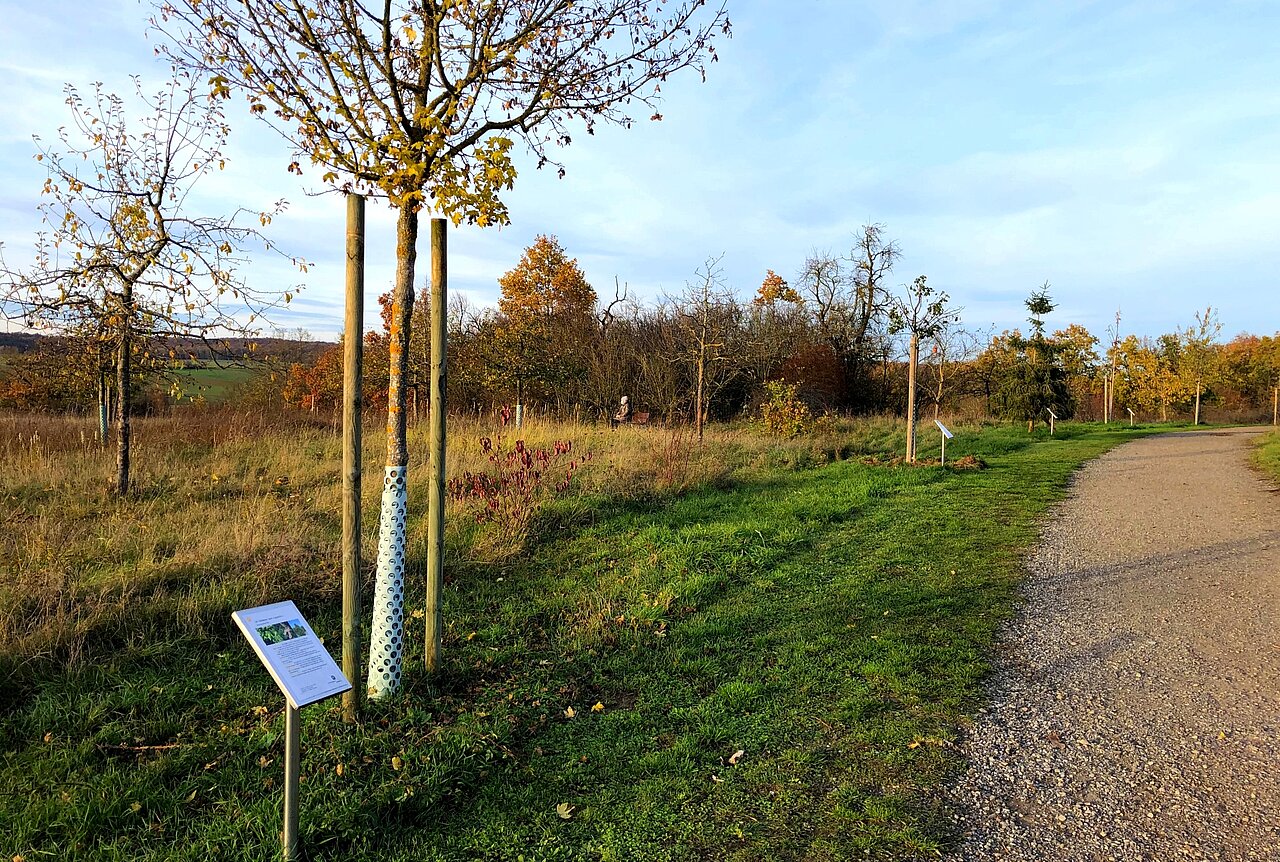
{"points": [[1128, 153]]}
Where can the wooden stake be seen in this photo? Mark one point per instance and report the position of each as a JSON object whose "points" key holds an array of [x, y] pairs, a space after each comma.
{"points": [[352, 400], [913, 361], [435, 500]]}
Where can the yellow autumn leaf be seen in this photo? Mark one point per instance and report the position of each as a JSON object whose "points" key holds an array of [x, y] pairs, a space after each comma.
{"points": [[397, 763], [564, 810], [599, 707], [569, 712]]}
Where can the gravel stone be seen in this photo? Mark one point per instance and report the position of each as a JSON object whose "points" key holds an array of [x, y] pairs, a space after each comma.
{"points": [[1134, 713]]}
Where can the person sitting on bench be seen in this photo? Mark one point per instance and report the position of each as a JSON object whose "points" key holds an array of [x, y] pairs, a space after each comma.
{"points": [[623, 414]]}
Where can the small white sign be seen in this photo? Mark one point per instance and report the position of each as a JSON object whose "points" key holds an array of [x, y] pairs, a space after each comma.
{"points": [[292, 653], [1131, 413], [943, 429], [1051, 413]]}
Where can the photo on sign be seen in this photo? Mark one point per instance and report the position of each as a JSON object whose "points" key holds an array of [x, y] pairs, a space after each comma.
{"points": [[281, 632]]}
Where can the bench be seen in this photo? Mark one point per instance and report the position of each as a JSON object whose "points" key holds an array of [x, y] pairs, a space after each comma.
{"points": [[639, 418]]}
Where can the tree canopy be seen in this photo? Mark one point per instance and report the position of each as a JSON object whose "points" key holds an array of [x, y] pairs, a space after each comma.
{"points": [[422, 100]]}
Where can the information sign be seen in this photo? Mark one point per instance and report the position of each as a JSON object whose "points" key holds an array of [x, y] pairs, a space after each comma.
{"points": [[292, 653], [943, 428]]}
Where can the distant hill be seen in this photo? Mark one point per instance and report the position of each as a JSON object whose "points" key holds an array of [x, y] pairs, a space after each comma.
{"points": [[18, 342], [224, 349]]}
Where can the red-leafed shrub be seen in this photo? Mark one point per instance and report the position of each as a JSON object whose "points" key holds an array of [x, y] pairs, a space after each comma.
{"points": [[518, 480]]}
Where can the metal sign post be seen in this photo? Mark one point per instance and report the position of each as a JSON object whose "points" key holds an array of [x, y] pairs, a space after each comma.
{"points": [[306, 673], [946, 435], [1052, 418]]}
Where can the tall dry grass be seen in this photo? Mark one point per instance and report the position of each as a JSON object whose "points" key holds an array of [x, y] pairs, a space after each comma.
{"points": [[231, 509]]}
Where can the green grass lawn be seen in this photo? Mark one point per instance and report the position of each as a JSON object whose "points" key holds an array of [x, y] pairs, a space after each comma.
{"points": [[833, 624], [214, 384], [1266, 456]]}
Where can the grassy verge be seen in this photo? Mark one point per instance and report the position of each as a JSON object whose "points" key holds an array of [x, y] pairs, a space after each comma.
{"points": [[1266, 456], [756, 655]]}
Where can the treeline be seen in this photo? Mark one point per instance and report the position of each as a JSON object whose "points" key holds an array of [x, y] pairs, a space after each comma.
{"points": [[837, 332], [835, 335]]}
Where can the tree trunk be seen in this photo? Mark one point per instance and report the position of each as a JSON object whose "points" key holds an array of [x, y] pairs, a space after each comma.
{"points": [[123, 431], [386, 644], [352, 402], [912, 361], [439, 411]]}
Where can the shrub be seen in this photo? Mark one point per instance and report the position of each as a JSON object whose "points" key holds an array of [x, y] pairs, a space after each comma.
{"points": [[509, 492], [783, 414]]}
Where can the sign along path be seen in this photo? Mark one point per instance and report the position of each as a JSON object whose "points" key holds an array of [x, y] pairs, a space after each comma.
{"points": [[1135, 711]]}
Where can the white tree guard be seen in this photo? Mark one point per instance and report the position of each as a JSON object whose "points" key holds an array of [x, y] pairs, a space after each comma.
{"points": [[386, 644]]}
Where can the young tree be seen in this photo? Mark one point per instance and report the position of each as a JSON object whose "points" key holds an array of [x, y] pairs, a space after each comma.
{"points": [[123, 248], [421, 101], [952, 366], [1199, 351], [1036, 380], [921, 314], [708, 319]]}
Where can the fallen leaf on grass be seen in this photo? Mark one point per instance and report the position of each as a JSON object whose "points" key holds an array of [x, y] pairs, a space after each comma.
{"points": [[735, 757], [569, 713], [564, 810], [599, 707], [396, 763]]}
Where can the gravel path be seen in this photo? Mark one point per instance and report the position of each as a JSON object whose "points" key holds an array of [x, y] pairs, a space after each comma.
{"points": [[1135, 710]]}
